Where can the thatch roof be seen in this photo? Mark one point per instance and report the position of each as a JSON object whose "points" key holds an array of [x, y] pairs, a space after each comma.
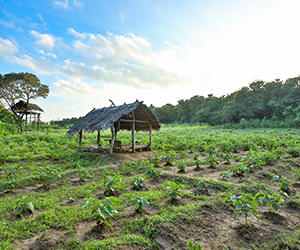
{"points": [[104, 118], [31, 108]]}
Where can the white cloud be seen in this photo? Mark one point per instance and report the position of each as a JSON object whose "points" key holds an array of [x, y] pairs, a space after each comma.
{"points": [[63, 4], [77, 34], [42, 20], [6, 24], [122, 16], [66, 4], [78, 3], [69, 88], [7, 48], [52, 55], [46, 41], [41, 66], [127, 60]]}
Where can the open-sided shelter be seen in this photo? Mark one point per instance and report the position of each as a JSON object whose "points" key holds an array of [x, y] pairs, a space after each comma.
{"points": [[31, 110], [132, 117]]}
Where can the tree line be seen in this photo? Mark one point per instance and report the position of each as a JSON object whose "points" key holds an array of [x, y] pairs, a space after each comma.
{"points": [[272, 101]]}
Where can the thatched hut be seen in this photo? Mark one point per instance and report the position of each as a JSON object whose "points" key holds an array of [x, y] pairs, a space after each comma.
{"points": [[29, 109], [132, 117]]}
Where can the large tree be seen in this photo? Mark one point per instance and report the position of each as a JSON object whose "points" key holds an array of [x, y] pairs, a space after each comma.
{"points": [[20, 86]]}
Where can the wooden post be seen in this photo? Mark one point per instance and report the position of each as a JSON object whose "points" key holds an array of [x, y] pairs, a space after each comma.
{"points": [[150, 137], [133, 134], [98, 138], [113, 136], [80, 137], [30, 120], [26, 124], [34, 124], [38, 124]]}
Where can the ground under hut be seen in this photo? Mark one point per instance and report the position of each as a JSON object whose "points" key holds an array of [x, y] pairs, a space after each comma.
{"points": [[132, 117]]}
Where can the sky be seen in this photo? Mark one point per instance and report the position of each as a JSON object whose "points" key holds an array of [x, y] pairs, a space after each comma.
{"points": [[156, 51]]}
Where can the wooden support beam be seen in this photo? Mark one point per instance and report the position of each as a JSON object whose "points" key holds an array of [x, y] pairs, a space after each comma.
{"points": [[133, 134], [39, 119], [150, 136], [34, 124], [113, 137], [98, 138], [30, 120], [80, 138], [26, 123], [125, 120]]}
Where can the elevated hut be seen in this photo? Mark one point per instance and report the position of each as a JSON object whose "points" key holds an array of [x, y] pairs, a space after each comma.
{"points": [[132, 117], [30, 110]]}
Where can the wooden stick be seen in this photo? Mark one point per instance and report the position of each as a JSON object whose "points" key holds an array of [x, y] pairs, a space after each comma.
{"points": [[98, 138], [111, 148], [38, 122], [26, 124], [133, 134], [150, 136], [80, 137], [125, 120]]}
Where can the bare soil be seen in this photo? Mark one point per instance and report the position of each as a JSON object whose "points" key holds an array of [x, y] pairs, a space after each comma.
{"points": [[214, 226]]}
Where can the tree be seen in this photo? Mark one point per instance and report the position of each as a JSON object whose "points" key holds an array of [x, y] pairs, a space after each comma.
{"points": [[20, 86]]}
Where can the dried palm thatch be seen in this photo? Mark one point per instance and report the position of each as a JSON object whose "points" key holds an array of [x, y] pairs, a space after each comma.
{"points": [[21, 107], [120, 116]]}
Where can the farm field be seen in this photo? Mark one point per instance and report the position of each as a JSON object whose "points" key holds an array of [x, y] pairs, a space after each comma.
{"points": [[200, 186]]}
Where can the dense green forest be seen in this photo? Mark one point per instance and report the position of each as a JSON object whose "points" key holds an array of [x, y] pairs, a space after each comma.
{"points": [[260, 104]]}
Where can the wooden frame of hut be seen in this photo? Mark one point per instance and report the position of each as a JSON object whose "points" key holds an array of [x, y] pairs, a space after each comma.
{"points": [[31, 110], [132, 117]]}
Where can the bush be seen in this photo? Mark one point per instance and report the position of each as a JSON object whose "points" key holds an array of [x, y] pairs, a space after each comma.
{"points": [[7, 129]]}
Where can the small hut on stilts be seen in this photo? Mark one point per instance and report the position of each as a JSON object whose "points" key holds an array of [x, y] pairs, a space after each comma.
{"points": [[32, 114], [132, 117]]}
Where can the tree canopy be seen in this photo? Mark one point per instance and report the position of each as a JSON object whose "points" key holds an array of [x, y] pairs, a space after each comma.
{"points": [[275, 100], [20, 86]]}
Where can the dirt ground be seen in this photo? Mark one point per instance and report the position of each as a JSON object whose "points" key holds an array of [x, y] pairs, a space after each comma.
{"points": [[213, 226]]}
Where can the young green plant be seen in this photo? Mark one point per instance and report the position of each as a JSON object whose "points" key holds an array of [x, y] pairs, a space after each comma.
{"points": [[173, 189], [24, 204], [244, 204], [101, 211]]}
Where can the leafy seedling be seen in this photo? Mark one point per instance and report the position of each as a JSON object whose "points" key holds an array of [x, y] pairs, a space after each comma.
{"points": [[138, 182], [271, 200], [83, 173], [139, 203], [193, 246], [24, 204], [170, 157], [153, 172], [101, 211], [47, 174], [9, 179], [226, 156], [283, 183], [196, 161], [157, 159], [173, 189], [225, 175], [296, 174], [212, 160], [244, 204], [109, 183], [205, 184], [182, 165]]}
